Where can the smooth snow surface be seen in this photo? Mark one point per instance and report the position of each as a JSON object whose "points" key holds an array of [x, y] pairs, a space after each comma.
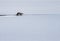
{"points": [[30, 28]]}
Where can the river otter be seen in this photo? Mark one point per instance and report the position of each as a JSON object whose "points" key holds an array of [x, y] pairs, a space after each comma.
{"points": [[19, 14]]}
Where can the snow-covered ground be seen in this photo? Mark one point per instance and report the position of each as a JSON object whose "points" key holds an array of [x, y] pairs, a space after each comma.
{"points": [[30, 28]]}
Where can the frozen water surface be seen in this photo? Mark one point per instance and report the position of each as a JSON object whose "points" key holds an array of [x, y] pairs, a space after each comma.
{"points": [[30, 28]]}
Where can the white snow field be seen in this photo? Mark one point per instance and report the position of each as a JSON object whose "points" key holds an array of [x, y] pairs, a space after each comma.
{"points": [[30, 28]]}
